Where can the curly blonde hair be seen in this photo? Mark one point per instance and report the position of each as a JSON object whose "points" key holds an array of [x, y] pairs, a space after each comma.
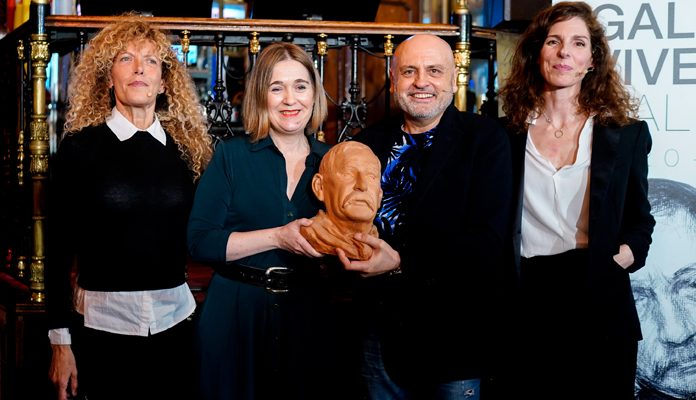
{"points": [[602, 92], [179, 110], [254, 105]]}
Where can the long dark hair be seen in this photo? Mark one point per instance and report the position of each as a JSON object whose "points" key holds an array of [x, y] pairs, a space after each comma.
{"points": [[602, 92]]}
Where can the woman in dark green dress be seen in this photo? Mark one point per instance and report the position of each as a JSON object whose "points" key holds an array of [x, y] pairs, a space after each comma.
{"points": [[267, 328]]}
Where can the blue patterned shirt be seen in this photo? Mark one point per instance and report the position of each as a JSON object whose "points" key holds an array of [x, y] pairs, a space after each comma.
{"points": [[398, 180]]}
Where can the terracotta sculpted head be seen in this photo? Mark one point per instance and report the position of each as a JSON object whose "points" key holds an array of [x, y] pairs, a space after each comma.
{"points": [[348, 183]]}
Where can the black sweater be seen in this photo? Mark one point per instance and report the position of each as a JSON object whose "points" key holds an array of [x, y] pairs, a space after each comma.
{"points": [[119, 209]]}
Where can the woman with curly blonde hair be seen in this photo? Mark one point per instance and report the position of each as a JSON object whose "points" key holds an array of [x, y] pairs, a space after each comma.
{"points": [[583, 221], [123, 183], [91, 95]]}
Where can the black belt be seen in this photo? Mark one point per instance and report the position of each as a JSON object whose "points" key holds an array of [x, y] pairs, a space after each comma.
{"points": [[273, 279]]}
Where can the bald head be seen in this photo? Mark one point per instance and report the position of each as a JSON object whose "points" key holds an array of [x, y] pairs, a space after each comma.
{"points": [[348, 152], [425, 43], [423, 80]]}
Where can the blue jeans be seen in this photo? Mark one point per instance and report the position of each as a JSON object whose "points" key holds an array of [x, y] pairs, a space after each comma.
{"points": [[381, 387]]}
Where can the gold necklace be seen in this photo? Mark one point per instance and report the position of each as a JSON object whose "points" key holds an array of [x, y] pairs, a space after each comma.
{"points": [[557, 130]]}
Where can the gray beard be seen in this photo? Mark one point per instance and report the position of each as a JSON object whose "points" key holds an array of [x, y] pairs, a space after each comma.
{"points": [[413, 111]]}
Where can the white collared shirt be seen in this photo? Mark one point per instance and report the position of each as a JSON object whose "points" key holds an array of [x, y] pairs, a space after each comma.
{"points": [[555, 214], [125, 130], [137, 313]]}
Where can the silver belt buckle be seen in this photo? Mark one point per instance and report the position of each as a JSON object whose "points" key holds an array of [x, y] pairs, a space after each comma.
{"points": [[277, 279]]}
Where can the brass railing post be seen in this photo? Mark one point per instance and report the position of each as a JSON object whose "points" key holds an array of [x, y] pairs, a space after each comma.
{"points": [[254, 47], [38, 147], [462, 52], [388, 55], [322, 51], [185, 42]]}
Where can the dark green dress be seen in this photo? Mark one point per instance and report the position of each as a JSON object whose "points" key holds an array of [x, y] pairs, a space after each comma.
{"points": [[254, 344]]}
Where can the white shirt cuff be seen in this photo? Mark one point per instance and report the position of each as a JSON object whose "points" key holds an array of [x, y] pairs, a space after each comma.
{"points": [[59, 336]]}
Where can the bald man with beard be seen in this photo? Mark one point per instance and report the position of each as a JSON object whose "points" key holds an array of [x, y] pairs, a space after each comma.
{"points": [[443, 222]]}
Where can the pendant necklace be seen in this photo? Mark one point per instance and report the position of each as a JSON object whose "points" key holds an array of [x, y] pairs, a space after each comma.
{"points": [[558, 132]]}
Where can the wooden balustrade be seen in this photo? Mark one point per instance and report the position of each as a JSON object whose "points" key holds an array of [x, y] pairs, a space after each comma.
{"points": [[30, 128], [45, 35]]}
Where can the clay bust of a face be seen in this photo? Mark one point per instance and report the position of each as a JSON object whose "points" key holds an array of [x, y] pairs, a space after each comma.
{"points": [[348, 183]]}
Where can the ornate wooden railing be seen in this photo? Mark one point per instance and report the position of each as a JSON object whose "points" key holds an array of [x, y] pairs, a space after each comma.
{"points": [[26, 51]]}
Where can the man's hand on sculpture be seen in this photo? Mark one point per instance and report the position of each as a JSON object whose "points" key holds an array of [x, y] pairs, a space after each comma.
{"points": [[384, 258]]}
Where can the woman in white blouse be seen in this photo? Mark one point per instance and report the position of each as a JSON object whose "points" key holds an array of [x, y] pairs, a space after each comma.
{"points": [[583, 219]]}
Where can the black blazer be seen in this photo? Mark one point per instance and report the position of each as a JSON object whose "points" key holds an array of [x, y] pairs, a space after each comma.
{"points": [[441, 312], [619, 214]]}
